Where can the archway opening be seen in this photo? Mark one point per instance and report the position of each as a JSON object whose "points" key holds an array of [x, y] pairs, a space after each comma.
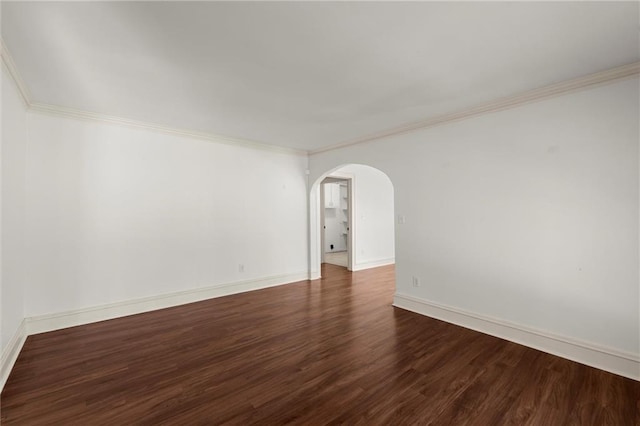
{"points": [[367, 233]]}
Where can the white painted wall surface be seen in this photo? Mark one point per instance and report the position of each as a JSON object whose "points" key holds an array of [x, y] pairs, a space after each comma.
{"points": [[333, 231], [13, 155], [374, 227], [529, 215], [117, 213]]}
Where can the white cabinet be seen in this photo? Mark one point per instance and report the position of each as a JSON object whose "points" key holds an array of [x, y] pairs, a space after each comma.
{"points": [[331, 195]]}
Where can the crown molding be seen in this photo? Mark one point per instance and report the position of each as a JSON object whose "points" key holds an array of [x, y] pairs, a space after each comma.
{"points": [[530, 96], [57, 110], [174, 131], [546, 92], [10, 66]]}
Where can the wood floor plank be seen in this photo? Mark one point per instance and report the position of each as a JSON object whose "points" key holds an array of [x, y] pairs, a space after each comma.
{"points": [[332, 351]]}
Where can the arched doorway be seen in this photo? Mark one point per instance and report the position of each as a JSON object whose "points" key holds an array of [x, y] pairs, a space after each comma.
{"points": [[371, 229]]}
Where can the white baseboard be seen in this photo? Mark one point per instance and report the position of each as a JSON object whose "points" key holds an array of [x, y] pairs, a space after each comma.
{"points": [[11, 352], [373, 264], [57, 321], [608, 359]]}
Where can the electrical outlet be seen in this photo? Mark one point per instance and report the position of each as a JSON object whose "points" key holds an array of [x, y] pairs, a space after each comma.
{"points": [[241, 267], [401, 219], [415, 281]]}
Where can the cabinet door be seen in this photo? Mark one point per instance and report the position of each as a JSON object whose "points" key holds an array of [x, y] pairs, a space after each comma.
{"points": [[331, 195]]}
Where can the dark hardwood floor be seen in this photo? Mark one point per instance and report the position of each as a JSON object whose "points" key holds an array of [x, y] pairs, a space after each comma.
{"points": [[330, 351]]}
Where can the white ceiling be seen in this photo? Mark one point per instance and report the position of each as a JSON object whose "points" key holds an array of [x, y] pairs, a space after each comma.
{"points": [[305, 75]]}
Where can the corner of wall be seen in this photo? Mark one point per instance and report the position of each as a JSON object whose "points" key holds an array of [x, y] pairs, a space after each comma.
{"points": [[11, 352]]}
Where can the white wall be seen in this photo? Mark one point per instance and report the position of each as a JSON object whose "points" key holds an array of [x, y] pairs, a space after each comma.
{"points": [[12, 153], [117, 213], [333, 231], [373, 208], [529, 215]]}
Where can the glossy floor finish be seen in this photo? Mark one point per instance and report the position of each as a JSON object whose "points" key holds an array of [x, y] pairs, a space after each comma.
{"points": [[329, 351]]}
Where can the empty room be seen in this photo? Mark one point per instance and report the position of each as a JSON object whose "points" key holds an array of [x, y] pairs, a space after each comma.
{"points": [[367, 213]]}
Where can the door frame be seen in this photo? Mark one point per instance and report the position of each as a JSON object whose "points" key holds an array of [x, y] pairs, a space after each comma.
{"points": [[351, 250]]}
